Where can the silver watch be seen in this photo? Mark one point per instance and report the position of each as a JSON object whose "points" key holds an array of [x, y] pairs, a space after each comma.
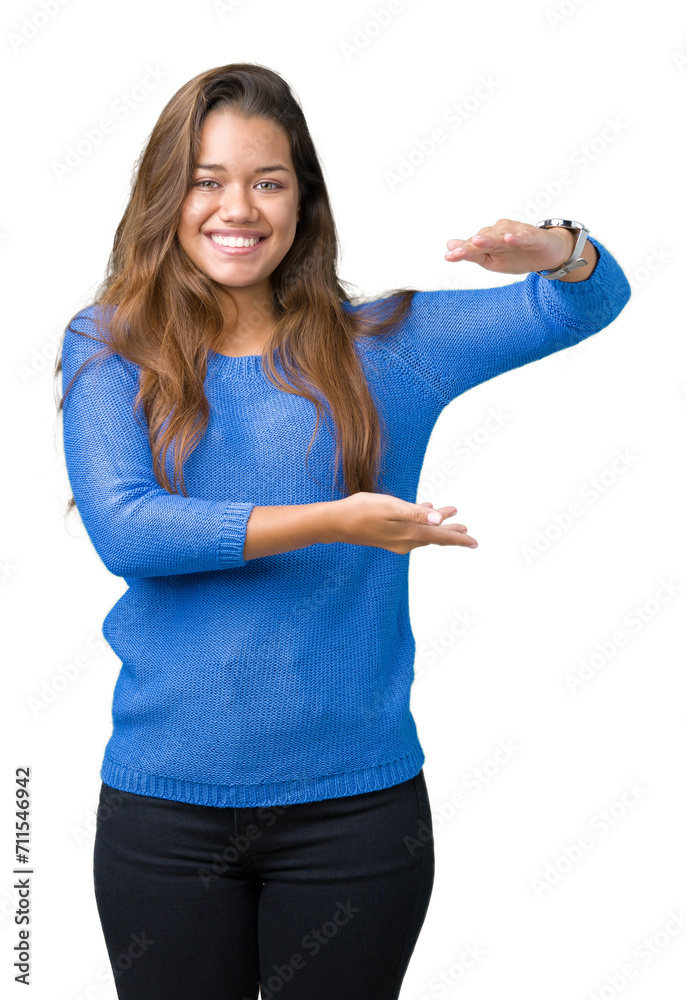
{"points": [[576, 259]]}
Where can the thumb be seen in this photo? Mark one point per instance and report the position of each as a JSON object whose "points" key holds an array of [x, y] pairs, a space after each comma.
{"points": [[425, 515]]}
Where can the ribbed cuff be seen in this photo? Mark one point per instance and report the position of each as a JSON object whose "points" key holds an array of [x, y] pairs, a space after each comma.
{"points": [[597, 300], [233, 534]]}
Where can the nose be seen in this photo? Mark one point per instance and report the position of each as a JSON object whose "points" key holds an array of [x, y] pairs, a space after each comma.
{"points": [[236, 205]]}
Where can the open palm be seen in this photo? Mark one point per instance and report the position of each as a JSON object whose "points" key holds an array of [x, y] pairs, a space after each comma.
{"points": [[511, 247]]}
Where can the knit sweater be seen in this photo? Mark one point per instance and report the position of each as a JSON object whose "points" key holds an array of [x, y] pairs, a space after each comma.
{"points": [[285, 678]]}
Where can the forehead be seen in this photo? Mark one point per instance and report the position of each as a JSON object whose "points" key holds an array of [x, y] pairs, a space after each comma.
{"points": [[231, 135]]}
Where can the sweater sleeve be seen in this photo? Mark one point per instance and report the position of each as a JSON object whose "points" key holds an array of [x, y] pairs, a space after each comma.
{"points": [[137, 528], [456, 338]]}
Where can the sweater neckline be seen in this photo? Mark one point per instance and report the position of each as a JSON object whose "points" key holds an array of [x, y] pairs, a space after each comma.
{"points": [[240, 365], [227, 365]]}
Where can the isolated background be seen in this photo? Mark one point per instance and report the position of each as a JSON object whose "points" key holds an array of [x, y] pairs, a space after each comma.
{"points": [[497, 634]]}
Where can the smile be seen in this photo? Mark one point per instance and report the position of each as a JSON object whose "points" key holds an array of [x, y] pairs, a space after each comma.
{"points": [[236, 246]]}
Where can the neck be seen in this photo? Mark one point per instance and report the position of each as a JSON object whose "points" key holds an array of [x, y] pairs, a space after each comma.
{"points": [[248, 331]]}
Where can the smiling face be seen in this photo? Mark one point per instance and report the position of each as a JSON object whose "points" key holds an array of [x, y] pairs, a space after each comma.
{"points": [[244, 187]]}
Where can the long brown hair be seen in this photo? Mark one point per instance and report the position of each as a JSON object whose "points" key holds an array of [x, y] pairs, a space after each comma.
{"points": [[168, 312]]}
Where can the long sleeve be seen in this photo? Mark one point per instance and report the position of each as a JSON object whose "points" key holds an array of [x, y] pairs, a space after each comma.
{"points": [[455, 339], [137, 528]]}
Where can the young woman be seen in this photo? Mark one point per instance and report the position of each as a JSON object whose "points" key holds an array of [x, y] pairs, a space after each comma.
{"points": [[244, 446]]}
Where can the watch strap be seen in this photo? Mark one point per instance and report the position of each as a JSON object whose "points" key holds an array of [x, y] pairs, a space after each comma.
{"points": [[576, 259]]}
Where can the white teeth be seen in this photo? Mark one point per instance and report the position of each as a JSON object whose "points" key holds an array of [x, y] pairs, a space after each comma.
{"points": [[235, 241]]}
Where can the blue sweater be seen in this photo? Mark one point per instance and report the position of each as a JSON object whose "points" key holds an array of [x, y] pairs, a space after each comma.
{"points": [[285, 678]]}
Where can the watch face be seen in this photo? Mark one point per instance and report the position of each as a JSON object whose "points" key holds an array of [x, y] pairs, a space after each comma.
{"points": [[562, 223]]}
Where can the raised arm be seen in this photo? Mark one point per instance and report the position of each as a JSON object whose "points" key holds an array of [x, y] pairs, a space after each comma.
{"points": [[458, 338]]}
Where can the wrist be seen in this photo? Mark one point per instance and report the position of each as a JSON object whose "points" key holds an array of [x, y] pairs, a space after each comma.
{"points": [[576, 267], [591, 255], [569, 242], [328, 519]]}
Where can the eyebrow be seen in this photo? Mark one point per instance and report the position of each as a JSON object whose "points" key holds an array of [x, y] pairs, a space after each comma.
{"points": [[258, 170]]}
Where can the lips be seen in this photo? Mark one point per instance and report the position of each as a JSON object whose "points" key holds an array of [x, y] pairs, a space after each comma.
{"points": [[250, 233], [236, 251]]}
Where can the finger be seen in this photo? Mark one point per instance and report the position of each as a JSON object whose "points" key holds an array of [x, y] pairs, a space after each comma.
{"points": [[445, 512], [485, 241], [520, 238], [437, 516], [449, 534], [514, 237], [493, 237], [421, 513], [483, 247], [451, 512], [468, 250], [458, 250]]}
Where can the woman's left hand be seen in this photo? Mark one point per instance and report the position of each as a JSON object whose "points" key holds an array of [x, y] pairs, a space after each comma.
{"points": [[511, 247]]}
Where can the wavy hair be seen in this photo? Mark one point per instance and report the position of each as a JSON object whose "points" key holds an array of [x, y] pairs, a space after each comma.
{"points": [[168, 313]]}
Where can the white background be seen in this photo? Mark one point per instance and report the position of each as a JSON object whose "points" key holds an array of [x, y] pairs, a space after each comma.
{"points": [[370, 95]]}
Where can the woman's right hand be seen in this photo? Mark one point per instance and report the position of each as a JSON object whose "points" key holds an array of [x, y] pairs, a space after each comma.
{"points": [[387, 522]]}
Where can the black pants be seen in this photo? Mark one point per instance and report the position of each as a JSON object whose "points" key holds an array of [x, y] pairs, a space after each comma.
{"points": [[310, 901]]}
